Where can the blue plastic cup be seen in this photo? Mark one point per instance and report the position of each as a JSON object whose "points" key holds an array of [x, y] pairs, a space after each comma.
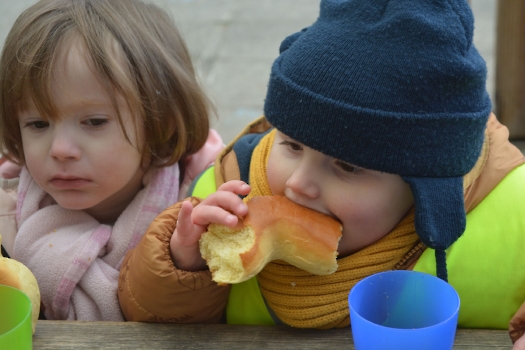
{"points": [[403, 310]]}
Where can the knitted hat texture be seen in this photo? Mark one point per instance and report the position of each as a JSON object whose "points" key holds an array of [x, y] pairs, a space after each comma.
{"points": [[390, 85]]}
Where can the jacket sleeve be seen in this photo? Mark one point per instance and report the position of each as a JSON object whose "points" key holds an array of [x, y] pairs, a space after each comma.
{"points": [[152, 289]]}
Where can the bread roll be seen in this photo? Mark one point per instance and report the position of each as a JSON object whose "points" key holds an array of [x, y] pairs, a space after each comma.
{"points": [[274, 228], [15, 274]]}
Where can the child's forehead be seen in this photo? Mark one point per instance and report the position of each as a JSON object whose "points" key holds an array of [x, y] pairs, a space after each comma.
{"points": [[74, 60], [71, 79], [71, 58]]}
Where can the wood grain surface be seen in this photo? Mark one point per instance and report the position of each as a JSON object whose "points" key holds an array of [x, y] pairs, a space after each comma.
{"points": [[58, 335]]}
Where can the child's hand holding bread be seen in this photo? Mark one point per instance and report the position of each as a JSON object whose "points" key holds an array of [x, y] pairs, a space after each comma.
{"points": [[222, 207], [274, 228], [236, 240]]}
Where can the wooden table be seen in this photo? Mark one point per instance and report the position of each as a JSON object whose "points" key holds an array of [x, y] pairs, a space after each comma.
{"points": [[58, 335]]}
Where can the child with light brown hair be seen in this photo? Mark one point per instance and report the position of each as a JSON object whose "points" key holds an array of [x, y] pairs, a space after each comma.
{"points": [[101, 109]]}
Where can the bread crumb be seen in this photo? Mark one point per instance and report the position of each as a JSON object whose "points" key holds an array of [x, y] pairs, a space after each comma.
{"points": [[293, 284]]}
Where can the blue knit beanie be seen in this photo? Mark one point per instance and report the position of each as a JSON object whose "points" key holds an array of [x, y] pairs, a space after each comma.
{"points": [[395, 86]]}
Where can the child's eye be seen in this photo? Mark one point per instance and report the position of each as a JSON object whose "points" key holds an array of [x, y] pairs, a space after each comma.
{"points": [[95, 122], [291, 145], [348, 168], [37, 125]]}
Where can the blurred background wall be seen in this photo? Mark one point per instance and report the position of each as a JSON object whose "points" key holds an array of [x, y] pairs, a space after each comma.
{"points": [[234, 42]]}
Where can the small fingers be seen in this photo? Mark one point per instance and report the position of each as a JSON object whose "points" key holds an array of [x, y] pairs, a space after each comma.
{"points": [[224, 206], [235, 186], [185, 226], [228, 201], [211, 214]]}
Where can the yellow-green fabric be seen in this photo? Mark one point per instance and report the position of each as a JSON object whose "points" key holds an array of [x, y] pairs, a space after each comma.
{"points": [[205, 184], [245, 304], [486, 265]]}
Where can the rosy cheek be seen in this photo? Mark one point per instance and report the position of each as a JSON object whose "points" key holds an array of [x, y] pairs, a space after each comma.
{"points": [[356, 217], [275, 181]]}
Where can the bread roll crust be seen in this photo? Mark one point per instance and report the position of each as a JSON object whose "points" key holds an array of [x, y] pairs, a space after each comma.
{"points": [[274, 228]]}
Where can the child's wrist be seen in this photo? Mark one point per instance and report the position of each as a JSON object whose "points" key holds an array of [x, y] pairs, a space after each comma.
{"points": [[190, 262]]}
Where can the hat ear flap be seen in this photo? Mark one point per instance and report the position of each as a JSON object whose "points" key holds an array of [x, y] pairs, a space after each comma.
{"points": [[440, 210], [289, 40], [440, 214]]}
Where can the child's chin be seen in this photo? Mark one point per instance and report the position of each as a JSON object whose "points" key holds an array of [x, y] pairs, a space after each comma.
{"points": [[72, 202]]}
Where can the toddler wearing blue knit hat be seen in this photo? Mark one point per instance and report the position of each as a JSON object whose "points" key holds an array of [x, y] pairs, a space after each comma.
{"points": [[377, 115]]}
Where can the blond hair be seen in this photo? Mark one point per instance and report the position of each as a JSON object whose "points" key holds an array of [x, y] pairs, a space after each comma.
{"points": [[137, 52]]}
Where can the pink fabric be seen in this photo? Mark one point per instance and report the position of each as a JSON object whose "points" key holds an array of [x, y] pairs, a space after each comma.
{"points": [[74, 258], [201, 160]]}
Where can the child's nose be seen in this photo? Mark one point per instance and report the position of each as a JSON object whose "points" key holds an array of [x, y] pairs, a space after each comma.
{"points": [[304, 181], [63, 148]]}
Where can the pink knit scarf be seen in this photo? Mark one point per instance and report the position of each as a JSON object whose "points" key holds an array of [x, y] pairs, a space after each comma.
{"points": [[76, 259]]}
